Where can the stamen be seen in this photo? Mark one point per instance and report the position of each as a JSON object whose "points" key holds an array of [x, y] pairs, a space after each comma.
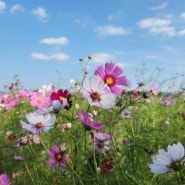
{"points": [[109, 80], [95, 96]]}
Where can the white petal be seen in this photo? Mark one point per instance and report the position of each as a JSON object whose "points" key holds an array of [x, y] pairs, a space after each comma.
{"points": [[176, 151], [158, 169]]}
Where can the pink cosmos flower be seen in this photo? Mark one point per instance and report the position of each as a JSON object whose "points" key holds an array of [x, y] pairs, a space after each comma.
{"points": [[97, 93], [10, 102], [4, 180], [111, 76], [101, 141], [154, 90], [39, 101], [88, 124], [59, 157]]}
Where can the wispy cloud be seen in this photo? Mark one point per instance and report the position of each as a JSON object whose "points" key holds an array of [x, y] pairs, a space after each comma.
{"points": [[181, 32], [159, 7], [40, 13], [54, 57], [2, 7], [157, 26], [111, 30], [16, 8], [102, 57], [182, 15], [116, 16], [55, 41]]}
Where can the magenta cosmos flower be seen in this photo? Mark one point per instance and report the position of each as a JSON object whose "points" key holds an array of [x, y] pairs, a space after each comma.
{"points": [[88, 124], [10, 102], [39, 101], [101, 141], [59, 156], [38, 123], [60, 96], [97, 93], [111, 76], [4, 180]]}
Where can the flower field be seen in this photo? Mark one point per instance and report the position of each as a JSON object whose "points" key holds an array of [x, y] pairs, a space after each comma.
{"points": [[96, 132]]}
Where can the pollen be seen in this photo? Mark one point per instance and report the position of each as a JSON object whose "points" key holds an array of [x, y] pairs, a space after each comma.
{"points": [[109, 80], [39, 101], [39, 125], [58, 157], [95, 96], [60, 98]]}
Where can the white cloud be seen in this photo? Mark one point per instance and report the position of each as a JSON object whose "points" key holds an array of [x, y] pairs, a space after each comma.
{"points": [[40, 13], [55, 41], [102, 57], [2, 7], [157, 26], [56, 56], [181, 32], [159, 7], [16, 8], [182, 15], [153, 22], [111, 30]]}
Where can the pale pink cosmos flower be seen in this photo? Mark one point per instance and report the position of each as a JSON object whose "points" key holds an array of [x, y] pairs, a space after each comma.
{"points": [[154, 90], [38, 122], [39, 101], [10, 102], [110, 75], [98, 93]]}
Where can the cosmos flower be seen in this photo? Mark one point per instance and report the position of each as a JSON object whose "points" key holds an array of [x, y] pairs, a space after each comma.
{"points": [[154, 90], [4, 180], [39, 100], [126, 113], [59, 156], [108, 164], [101, 141], [167, 102], [88, 124], [97, 93], [110, 75], [38, 122], [168, 161], [10, 102], [61, 96]]}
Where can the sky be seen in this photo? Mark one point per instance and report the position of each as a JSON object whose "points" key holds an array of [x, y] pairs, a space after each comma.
{"points": [[41, 41]]}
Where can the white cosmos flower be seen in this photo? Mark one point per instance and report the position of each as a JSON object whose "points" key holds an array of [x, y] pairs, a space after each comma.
{"points": [[38, 122], [168, 161], [98, 93]]}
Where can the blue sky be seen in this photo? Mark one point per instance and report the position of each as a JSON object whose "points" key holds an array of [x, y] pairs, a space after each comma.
{"points": [[41, 41]]}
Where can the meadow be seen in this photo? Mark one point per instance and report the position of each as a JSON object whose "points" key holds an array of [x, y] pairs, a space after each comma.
{"points": [[96, 132]]}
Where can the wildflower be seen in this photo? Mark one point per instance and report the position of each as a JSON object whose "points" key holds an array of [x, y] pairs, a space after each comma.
{"points": [[124, 141], [108, 164], [168, 161], [101, 141], [183, 115], [38, 123], [165, 101], [146, 95], [61, 95], [59, 156], [10, 135], [66, 126], [18, 158], [39, 101], [126, 113], [140, 84], [16, 174], [154, 90], [110, 75], [10, 102], [88, 124], [4, 180], [97, 93]]}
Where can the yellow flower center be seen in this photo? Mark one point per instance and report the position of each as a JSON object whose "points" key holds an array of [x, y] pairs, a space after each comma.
{"points": [[58, 157], [39, 101], [60, 98], [39, 125], [109, 80], [95, 96]]}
